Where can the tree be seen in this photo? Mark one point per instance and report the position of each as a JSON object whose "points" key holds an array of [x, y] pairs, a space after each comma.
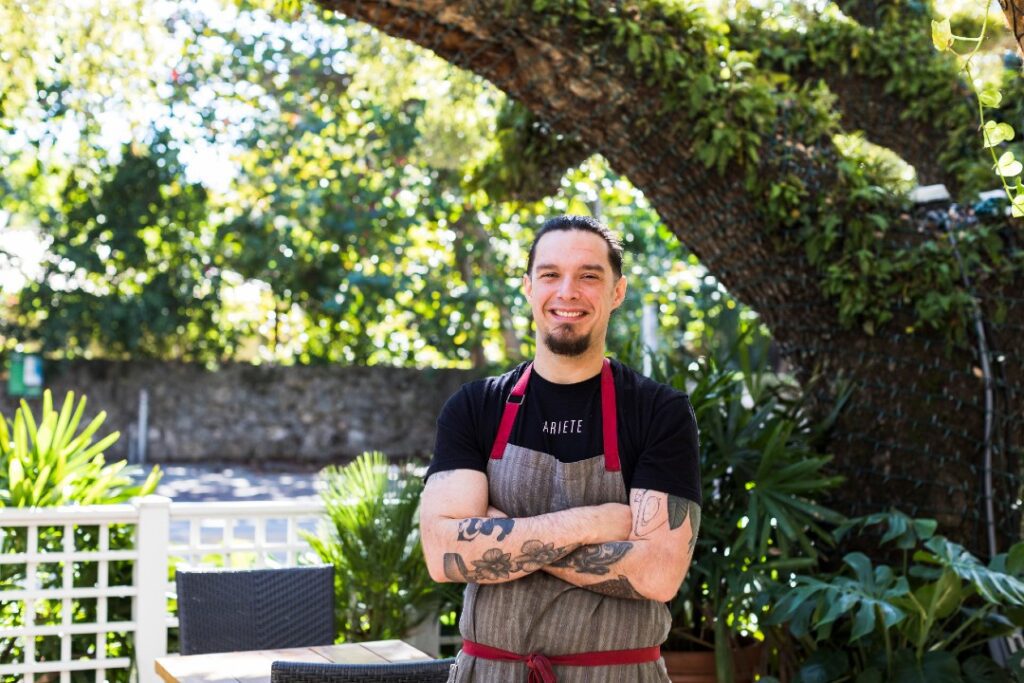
{"points": [[733, 147], [128, 271]]}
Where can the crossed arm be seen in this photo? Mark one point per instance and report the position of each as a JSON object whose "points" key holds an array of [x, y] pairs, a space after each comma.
{"points": [[641, 550]]}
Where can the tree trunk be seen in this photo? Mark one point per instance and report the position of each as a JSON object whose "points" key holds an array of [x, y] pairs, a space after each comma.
{"points": [[914, 434], [1014, 11]]}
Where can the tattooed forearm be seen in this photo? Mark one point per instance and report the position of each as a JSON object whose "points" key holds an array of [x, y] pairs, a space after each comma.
{"points": [[680, 510], [616, 588], [475, 526], [594, 559], [496, 564]]}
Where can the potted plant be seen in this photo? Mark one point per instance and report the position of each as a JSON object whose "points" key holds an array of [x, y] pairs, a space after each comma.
{"points": [[761, 474], [925, 620]]}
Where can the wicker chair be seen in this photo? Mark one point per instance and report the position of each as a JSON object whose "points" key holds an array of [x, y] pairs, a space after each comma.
{"points": [[255, 609], [431, 671]]}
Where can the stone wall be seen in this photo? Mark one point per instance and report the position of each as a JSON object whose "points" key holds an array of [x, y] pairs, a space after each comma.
{"points": [[257, 414]]}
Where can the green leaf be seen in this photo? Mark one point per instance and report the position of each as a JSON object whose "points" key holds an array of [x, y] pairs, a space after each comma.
{"points": [[990, 97], [863, 622], [981, 669], [1017, 206], [933, 667], [994, 586], [1008, 166], [5, 437], [996, 133], [870, 675], [15, 472], [824, 666], [942, 35]]}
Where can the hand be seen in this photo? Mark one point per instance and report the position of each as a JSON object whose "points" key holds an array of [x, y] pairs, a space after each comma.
{"points": [[616, 521], [495, 512]]}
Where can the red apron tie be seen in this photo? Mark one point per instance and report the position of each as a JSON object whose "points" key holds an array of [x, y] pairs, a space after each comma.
{"points": [[540, 669], [542, 666], [609, 421]]}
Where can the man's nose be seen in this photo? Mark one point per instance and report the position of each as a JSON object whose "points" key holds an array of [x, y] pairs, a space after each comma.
{"points": [[567, 288]]}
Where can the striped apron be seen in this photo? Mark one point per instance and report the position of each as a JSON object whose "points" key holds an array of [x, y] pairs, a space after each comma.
{"points": [[541, 618]]}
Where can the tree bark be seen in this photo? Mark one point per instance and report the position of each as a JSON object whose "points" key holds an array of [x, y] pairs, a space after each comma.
{"points": [[913, 437], [1014, 11]]}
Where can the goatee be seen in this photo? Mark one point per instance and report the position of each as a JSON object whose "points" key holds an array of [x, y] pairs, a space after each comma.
{"points": [[567, 346]]}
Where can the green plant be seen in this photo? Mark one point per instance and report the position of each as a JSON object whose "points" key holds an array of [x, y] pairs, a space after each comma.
{"points": [[382, 587], [761, 473], [49, 463], [926, 620], [46, 464]]}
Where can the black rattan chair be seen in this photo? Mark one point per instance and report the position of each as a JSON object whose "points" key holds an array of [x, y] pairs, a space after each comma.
{"points": [[255, 609], [430, 671]]}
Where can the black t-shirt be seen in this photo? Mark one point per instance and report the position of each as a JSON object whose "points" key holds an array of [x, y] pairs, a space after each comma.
{"points": [[658, 441]]}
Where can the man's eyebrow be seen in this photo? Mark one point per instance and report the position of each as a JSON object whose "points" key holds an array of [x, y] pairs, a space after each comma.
{"points": [[586, 266]]}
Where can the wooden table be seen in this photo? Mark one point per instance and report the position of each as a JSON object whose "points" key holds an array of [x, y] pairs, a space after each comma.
{"points": [[254, 666]]}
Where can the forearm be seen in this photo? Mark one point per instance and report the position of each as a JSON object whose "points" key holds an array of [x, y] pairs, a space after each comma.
{"points": [[651, 563], [635, 569], [495, 550]]}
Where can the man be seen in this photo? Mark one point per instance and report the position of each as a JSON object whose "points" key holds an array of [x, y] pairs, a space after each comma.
{"points": [[526, 497]]}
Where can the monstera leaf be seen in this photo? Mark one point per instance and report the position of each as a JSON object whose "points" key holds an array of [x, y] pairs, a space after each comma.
{"points": [[995, 586], [868, 596]]}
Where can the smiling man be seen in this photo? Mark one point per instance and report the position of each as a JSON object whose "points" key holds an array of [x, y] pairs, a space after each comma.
{"points": [[566, 492]]}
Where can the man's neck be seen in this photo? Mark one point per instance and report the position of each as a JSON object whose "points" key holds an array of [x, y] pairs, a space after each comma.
{"points": [[561, 369]]}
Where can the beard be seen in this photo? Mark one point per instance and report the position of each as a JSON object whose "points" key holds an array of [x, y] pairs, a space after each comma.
{"points": [[567, 344]]}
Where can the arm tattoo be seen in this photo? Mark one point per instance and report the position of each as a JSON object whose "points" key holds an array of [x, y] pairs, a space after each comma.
{"points": [[474, 526], [496, 564], [681, 509], [594, 559], [616, 588], [646, 513]]}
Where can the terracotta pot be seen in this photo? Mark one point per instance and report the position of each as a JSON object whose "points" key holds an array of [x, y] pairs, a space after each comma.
{"points": [[699, 667]]}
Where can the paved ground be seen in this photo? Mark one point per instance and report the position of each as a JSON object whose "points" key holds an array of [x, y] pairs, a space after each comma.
{"points": [[194, 483]]}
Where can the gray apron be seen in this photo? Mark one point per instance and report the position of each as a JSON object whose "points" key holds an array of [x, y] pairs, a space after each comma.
{"points": [[543, 614]]}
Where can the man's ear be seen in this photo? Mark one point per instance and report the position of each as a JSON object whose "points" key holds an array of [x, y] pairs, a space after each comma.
{"points": [[527, 286], [620, 292]]}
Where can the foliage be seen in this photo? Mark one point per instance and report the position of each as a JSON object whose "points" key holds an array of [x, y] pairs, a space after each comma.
{"points": [[994, 133], [927, 620], [761, 475], [50, 463], [128, 270], [752, 122], [530, 160], [382, 586], [346, 156]]}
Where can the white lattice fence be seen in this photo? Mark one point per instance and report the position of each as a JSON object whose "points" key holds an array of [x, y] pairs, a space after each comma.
{"points": [[61, 623], [68, 574]]}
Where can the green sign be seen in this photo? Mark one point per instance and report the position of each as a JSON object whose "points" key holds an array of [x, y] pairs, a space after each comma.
{"points": [[25, 375]]}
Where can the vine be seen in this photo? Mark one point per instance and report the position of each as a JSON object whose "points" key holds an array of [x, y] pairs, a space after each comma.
{"points": [[994, 133]]}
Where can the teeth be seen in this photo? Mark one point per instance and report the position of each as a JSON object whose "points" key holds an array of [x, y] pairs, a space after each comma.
{"points": [[568, 314]]}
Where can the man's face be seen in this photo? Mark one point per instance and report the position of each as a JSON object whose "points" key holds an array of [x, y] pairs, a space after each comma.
{"points": [[572, 291]]}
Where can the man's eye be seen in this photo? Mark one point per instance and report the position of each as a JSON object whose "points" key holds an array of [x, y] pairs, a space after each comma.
{"points": [[547, 275]]}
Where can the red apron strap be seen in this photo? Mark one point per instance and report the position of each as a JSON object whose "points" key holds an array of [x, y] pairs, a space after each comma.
{"points": [[609, 419], [508, 417]]}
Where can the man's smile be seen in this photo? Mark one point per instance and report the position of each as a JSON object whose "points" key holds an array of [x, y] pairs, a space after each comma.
{"points": [[567, 313]]}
